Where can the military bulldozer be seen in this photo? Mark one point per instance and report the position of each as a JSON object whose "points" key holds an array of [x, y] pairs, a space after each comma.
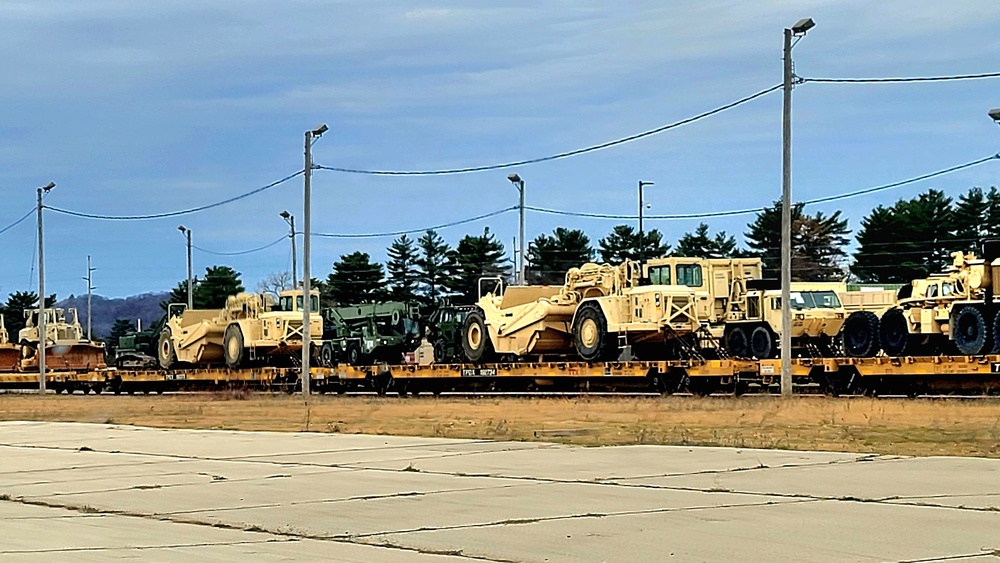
{"points": [[66, 348], [599, 312], [10, 354], [370, 332], [444, 332], [251, 329], [953, 311], [137, 348]]}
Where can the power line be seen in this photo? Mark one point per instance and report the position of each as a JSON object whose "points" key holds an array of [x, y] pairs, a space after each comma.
{"points": [[174, 213], [566, 154], [241, 252], [711, 214], [902, 79], [18, 222], [421, 230]]}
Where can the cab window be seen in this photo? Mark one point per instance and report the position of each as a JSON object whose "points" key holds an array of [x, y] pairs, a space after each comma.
{"points": [[313, 303], [689, 275], [947, 289], [932, 290], [659, 275]]}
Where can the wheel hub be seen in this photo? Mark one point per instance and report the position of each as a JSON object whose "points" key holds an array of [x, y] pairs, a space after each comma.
{"points": [[588, 333], [475, 336]]}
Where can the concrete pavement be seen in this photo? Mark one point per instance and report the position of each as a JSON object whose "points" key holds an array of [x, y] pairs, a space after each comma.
{"points": [[99, 492]]}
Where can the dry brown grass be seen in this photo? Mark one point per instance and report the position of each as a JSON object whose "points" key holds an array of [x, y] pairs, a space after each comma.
{"points": [[888, 426]]}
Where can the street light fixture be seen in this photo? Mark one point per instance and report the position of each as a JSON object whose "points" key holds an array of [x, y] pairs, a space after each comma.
{"points": [[798, 30], [519, 184], [42, 336], [642, 243], [290, 219], [311, 137], [995, 114], [190, 293]]}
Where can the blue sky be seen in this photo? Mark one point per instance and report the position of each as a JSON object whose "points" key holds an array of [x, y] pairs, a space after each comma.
{"points": [[146, 107]]}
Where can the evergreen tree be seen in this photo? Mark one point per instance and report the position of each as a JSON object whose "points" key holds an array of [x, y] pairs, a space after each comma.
{"points": [[402, 268], [817, 243], [992, 230], [474, 258], [623, 244], [549, 257], [218, 284], [13, 310], [432, 267], [926, 231], [971, 220], [179, 294], [355, 279], [701, 244], [878, 259]]}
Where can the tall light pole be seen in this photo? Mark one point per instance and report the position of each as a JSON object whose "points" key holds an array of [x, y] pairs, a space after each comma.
{"points": [[42, 336], [642, 244], [290, 219], [311, 137], [519, 184], [90, 290], [187, 232], [798, 30]]}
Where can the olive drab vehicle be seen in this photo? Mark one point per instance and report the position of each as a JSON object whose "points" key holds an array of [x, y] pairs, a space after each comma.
{"points": [[367, 332], [599, 312], [444, 332], [946, 313], [251, 329], [66, 347], [137, 348]]}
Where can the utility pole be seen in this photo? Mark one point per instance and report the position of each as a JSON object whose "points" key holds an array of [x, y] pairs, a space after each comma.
{"points": [[187, 233], [311, 137], [642, 243], [42, 336], [90, 289], [519, 184], [290, 219], [798, 30]]}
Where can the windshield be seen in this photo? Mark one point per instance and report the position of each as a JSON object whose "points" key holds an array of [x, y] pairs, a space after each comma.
{"points": [[815, 300]]}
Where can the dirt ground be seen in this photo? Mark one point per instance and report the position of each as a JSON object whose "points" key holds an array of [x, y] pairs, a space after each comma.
{"points": [[887, 426]]}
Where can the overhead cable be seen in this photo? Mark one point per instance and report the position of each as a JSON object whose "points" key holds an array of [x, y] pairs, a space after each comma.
{"points": [[566, 154], [420, 230], [711, 214], [241, 252], [174, 213], [902, 79], [19, 221]]}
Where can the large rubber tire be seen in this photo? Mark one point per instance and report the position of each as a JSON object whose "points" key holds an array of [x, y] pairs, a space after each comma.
{"points": [[996, 334], [165, 350], [476, 343], [590, 333], [233, 347], [327, 355], [354, 355], [737, 342], [894, 333], [762, 343], [970, 331], [860, 335]]}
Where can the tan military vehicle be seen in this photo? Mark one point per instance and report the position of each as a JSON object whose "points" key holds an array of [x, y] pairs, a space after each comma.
{"points": [[66, 347], [10, 354], [754, 330], [953, 311], [252, 328], [598, 311], [719, 284]]}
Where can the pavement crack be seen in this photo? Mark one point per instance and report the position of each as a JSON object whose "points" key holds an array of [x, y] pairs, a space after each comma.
{"points": [[143, 547]]}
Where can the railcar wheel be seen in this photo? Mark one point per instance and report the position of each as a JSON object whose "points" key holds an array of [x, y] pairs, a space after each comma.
{"points": [[737, 343], [476, 343], [165, 350], [969, 329], [860, 334], [762, 343], [590, 333], [232, 344], [894, 333]]}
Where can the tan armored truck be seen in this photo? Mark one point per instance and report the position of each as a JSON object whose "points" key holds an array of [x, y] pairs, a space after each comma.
{"points": [[66, 347], [597, 312], [950, 312], [252, 328]]}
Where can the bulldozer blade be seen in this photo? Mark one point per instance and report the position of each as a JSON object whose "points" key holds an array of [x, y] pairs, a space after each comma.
{"points": [[73, 357]]}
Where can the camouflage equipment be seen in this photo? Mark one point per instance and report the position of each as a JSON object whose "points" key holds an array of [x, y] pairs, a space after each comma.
{"points": [[380, 332]]}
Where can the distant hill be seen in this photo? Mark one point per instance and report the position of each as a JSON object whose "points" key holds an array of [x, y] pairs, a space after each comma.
{"points": [[106, 311]]}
